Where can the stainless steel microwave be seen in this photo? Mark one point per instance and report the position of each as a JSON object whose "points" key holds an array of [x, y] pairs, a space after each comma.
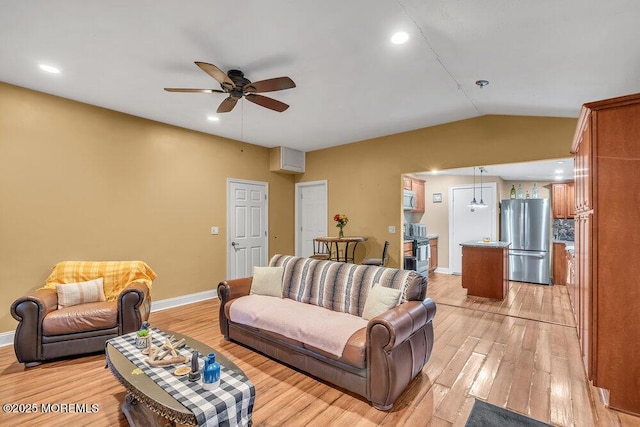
{"points": [[409, 200]]}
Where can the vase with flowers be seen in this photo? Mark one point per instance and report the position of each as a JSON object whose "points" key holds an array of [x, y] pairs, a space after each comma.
{"points": [[341, 220]]}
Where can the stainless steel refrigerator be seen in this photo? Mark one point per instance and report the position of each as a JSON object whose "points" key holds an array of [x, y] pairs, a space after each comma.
{"points": [[526, 224]]}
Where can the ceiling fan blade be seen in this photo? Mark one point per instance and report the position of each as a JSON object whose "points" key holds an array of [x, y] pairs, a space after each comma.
{"points": [[270, 85], [175, 89], [227, 105], [267, 102], [216, 73]]}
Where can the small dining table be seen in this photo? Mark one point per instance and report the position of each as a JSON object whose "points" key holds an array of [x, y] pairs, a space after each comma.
{"points": [[334, 254]]}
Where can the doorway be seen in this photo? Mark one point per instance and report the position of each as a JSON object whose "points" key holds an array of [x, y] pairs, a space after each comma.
{"points": [[247, 219], [470, 224], [311, 213]]}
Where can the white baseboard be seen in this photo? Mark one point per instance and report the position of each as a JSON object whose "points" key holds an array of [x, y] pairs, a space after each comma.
{"points": [[443, 270], [182, 300], [6, 338]]}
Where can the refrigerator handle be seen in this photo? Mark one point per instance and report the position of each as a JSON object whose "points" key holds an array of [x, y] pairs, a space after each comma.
{"points": [[525, 208], [528, 254]]}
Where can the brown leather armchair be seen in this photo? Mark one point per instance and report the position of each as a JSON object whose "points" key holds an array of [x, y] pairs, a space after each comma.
{"points": [[46, 332]]}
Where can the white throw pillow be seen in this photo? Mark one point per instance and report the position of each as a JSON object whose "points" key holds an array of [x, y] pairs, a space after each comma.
{"points": [[267, 281], [70, 294], [379, 300]]}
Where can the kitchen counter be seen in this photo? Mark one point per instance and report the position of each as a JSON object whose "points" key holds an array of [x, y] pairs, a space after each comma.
{"points": [[483, 244], [406, 238], [568, 245]]}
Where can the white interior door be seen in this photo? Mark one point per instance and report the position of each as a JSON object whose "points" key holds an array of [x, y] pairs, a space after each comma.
{"points": [[465, 224], [247, 244], [311, 215]]}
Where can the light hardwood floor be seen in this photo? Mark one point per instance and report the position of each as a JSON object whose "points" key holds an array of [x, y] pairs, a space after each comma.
{"points": [[521, 353]]}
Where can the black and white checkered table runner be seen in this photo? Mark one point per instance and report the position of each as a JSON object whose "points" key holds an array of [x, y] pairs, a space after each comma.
{"points": [[231, 404]]}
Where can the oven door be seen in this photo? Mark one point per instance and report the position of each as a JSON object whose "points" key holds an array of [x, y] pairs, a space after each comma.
{"points": [[410, 263]]}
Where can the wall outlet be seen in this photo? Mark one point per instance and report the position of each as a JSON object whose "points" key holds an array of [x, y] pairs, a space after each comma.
{"points": [[214, 230], [392, 229]]}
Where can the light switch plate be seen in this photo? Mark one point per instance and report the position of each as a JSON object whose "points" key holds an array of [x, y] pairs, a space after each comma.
{"points": [[214, 230], [392, 229]]}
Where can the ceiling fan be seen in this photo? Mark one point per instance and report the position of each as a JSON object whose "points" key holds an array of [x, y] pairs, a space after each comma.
{"points": [[236, 85]]}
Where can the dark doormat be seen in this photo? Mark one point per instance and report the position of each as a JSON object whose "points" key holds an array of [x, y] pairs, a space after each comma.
{"points": [[484, 414]]}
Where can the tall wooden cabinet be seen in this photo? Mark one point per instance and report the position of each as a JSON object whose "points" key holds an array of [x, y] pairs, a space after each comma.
{"points": [[607, 283]]}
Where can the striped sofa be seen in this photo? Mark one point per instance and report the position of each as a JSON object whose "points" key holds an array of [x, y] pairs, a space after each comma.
{"points": [[321, 299]]}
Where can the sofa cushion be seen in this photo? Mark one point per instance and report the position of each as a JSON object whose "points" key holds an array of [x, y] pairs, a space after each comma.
{"points": [[309, 324], [70, 294], [81, 318], [380, 299], [339, 286], [267, 281]]}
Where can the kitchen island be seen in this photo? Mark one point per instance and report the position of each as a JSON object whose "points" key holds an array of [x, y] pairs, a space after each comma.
{"points": [[485, 268]]}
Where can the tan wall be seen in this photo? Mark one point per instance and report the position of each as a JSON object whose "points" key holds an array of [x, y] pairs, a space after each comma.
{"points": [[81, 182], [365, 177]]}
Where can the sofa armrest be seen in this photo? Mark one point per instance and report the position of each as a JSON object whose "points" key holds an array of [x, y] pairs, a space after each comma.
{"points": [[134, 306], [227, 291], [29, 311], [399, 343]]}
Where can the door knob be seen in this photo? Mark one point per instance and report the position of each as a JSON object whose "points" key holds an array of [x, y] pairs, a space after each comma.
{"points": [[234, 244]]}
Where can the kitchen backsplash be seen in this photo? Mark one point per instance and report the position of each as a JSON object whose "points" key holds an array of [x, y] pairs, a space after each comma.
{"points": [[563, 229]]}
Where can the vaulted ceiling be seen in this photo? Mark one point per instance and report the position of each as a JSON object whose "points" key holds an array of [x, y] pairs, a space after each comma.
{"points": [[541, 58]]}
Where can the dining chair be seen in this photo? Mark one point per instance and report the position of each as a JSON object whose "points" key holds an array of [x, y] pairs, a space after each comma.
{"points": [[321, 250], [378, 261]]}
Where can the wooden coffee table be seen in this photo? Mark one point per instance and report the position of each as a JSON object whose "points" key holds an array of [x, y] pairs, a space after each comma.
{"points": [[146, 403]]}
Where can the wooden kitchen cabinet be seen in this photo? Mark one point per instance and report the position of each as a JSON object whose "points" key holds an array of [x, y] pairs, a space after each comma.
{"points": [[418, 188], [559, 264], [407, 248], [606, 146], [433, 259], [563, 200], [406, 183]]}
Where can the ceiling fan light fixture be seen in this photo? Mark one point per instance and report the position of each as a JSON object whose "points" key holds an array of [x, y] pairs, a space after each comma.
{"points": [[399, 38], [236, 86]]}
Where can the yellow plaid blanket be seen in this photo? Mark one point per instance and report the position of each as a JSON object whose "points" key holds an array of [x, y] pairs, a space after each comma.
{"points": [[116, 274]]}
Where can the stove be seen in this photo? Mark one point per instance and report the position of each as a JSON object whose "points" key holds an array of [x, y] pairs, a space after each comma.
{"points": [[419, 261]]}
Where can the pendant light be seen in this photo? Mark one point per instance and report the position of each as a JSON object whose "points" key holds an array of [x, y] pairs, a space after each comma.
{"points": [[482, 204], [473, 204]]}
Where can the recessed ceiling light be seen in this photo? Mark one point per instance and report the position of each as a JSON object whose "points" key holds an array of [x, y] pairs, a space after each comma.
{"points": [[399, 38], [213, 118], [558, 178], [49, 68], [560, 161], [558, 171]]}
